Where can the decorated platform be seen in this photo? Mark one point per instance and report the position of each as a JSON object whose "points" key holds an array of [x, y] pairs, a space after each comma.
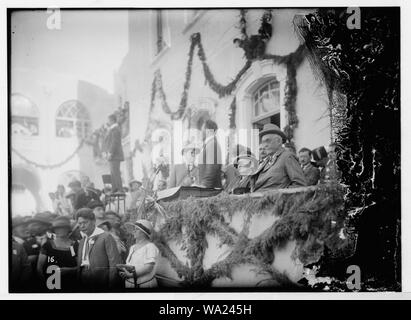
{"points": [[252, 240]]}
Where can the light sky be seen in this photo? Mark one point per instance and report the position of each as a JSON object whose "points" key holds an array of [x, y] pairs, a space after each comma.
{"points": [[89, 46]]}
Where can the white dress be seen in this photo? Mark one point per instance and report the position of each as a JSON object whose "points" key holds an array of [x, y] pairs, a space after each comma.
{"points": [[138, 258]]}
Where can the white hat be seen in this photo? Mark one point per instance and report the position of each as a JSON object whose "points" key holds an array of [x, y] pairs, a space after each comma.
{"points": [[144, 225]]}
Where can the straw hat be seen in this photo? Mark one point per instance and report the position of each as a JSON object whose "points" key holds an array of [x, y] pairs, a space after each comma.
{"points": [[135, 181], [190, 146], [144, 225]]}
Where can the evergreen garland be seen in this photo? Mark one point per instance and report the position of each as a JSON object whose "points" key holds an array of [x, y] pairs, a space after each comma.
{"points": [[232, 113], [221, 90], [243, 24], [50, 166], [313, 216]]}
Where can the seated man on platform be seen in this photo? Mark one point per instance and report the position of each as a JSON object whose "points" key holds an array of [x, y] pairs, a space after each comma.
{"points": [[312, 173], [185, 174], [230, 171], [246, 165], [280, 169]]}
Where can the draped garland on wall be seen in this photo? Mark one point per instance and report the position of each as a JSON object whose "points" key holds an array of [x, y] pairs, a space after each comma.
{"points": [[50, 166], [313, 216], [291, 61], [232, 113]]}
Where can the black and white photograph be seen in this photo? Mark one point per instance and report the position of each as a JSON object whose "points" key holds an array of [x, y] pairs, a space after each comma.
{"points": [[204, 149]]}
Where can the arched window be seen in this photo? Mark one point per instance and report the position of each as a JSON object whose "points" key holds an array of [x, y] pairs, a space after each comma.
{"points": [[72, 120], [266, 104], [25, 116]]}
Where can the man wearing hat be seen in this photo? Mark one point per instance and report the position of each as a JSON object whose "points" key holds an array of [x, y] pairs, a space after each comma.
{"points": [[80, 198], [135, 196], [246, 164], [185, 174], [280, 168]]}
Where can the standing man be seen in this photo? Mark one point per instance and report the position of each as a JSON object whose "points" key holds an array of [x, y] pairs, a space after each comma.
{"points": [[114, 153], [311, 173], [80, 197], [185, 174], [98, 255], [280, 169], [209, 167]]}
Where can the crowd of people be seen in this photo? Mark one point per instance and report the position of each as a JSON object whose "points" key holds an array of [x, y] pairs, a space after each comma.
{"points": [[99, 249], [93, 248]]}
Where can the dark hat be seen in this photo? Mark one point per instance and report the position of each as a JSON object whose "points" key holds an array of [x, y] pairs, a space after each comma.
{"points": [[319, 153], [43, 217], [95, 204], [75, 183], [18, 221], [61, 222], [103, 221], [274, 129]]}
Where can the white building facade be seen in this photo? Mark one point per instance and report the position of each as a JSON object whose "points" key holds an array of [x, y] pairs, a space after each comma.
{"points": [[159, 43]]}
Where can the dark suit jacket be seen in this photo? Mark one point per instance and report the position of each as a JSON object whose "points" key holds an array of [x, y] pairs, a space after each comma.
{"points": [[179, 173], [20, 268], [113, 144], [209, 167], [312, 174], [81, 199], [330, 172], [284, 171], [103, 258]]}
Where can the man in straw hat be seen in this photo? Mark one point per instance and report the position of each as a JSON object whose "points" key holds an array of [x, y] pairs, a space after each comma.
{"points": [[135, 196], [185, 174], [280, 168]]}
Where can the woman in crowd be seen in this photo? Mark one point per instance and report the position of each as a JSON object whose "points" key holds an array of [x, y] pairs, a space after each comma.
{"points": [[142, 258], [61, 252]]}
